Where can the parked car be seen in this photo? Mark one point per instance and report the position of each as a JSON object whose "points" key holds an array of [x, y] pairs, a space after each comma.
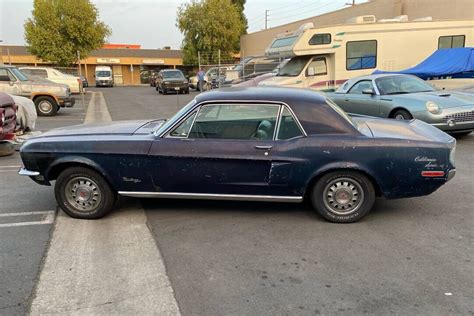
{"points": [[26, 115], [209, 77], [171, 80], [253, 144], [8, 110], [405, 97], [48, 97], [56, 76]]}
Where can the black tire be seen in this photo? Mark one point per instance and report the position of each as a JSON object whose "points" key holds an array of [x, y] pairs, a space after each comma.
{"points": [[352, 186], [461, 135], [402, 115], [71, 178], [186, 91], [6, 149], [46, 106]]}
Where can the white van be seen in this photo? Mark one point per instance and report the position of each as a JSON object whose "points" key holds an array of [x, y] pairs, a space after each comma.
{"points": [[324, 58], [104, 76]]}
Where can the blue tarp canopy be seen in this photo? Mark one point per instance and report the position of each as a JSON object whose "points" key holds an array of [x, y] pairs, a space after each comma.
{"points": [[443, 62]]}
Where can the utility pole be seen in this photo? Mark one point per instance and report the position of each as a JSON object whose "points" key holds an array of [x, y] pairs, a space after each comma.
{"points": [[352, 4], [266, 18], [80, 76]]}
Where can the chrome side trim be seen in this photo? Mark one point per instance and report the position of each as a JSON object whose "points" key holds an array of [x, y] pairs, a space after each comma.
{"points": [[210, 196], [28, 173]]}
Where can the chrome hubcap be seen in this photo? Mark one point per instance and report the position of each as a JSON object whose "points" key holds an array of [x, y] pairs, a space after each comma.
{"points": [[45, 106], [399, 117], [83, 194], [343, 196]]}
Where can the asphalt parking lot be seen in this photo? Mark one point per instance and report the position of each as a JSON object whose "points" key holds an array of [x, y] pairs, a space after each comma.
{"points": [[412, 256]]}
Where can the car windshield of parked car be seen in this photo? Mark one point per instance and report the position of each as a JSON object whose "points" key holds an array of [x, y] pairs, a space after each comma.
{"points": [[103, 73], [19, 75], [294, 66], [175, 118], [173, 75], [402, 85]]}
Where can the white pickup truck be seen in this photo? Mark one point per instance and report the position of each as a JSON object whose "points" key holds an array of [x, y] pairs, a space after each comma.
{"points": [[54, 75]]}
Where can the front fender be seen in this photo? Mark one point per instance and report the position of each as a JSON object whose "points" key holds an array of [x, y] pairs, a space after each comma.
{"points": [[58, 164]]}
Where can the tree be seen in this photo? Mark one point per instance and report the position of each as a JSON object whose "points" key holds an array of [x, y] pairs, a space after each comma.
{"points": [[60, 28], [240, 5], [209, 26]]}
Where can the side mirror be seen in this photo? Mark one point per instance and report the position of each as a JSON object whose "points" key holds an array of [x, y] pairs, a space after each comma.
{"points": [[311, 71], [368, 91], [4, 78]]}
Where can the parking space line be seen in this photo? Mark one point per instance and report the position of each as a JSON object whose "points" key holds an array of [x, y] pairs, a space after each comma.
{"points": [[48, 219], [18, 166], [26, 213]]}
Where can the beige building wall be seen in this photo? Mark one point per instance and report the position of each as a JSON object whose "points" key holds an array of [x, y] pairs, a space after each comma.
{"points": [[254, 44]]}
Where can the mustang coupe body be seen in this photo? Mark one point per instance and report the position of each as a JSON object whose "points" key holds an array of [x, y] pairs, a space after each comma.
{"points": [[405, 97], [254, 144]]}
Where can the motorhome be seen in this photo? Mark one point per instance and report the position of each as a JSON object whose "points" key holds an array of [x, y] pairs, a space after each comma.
{"points": [[323, 58], [104, 76]]}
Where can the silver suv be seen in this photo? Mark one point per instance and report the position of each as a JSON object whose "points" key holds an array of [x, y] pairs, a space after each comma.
{"points": [[47, 96]]}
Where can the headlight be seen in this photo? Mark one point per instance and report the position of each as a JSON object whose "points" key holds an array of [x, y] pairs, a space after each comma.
{"points": [[166, 82], [185, 82], [432, 107]]}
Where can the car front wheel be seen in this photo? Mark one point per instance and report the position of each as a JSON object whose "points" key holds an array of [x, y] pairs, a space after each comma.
{"points": [[46, 106], [83, 193], [402, 115], [343, 196]]}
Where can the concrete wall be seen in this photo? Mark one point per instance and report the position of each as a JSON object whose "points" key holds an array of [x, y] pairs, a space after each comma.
{"points": [[255, 43]]}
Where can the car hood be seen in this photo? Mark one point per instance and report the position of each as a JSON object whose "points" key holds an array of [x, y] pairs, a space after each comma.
{"points": [[118, 127], [444, 99], [281, 81], [400, 129]]}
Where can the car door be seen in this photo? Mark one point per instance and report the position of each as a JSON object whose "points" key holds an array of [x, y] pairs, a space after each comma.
{"points": [[358, 102], [223, 148], [316, 74], [8, 82]]}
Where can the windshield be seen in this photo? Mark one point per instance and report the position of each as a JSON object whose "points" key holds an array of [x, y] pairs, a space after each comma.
{"points": [[401, 84], [173, 75], [294, 66], [20, 76], [103, 73], [340, 111], [175, 117]]}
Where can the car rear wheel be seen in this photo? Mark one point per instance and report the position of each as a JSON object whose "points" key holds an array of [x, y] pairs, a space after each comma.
{"points": [[83, 193], [402, 115], [343, 196], [46, 106]]}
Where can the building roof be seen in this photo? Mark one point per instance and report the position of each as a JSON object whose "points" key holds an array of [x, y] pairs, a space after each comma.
{"points": [[140, 53]]}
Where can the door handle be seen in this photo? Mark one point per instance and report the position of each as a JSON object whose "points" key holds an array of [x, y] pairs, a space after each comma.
{"points": [[264, 147]]}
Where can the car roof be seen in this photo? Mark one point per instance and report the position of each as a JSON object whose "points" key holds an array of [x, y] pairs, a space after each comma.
{"points": [[310, 107], [348, 84], [169, 70]]}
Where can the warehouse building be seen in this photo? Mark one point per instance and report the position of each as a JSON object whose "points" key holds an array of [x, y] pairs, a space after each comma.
{"points": [[254, 44], [130, 64]]}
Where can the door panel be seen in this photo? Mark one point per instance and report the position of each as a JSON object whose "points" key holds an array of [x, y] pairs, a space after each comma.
{"points": [[211, 166]]}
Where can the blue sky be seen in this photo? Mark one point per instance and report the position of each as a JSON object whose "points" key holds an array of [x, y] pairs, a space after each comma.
{"points": [[151, 23]]}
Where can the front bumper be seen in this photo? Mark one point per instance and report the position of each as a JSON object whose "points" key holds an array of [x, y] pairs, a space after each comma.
{"points": [[28, 173], [175, 89], [67, 102], [104, 83], [458, 127], [451, 174]]}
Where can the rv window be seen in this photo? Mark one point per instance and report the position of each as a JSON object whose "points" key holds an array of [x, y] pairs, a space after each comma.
{"points": [[317, 67], [361, 55], [451, 41], [282, 42], [320, 39]]}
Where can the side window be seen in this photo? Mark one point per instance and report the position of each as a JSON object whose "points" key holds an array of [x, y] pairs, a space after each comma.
{"points": [[39, 72], [236, 121], [320, 39], [12, 77], [361, 86], [317, 67], [183, 129], [3, 73], [361, 55], [26, 71], [288, 126], [453, 41]]}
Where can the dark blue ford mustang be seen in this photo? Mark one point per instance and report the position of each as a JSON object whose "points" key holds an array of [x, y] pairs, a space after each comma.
{"points": [[255, 144]]}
